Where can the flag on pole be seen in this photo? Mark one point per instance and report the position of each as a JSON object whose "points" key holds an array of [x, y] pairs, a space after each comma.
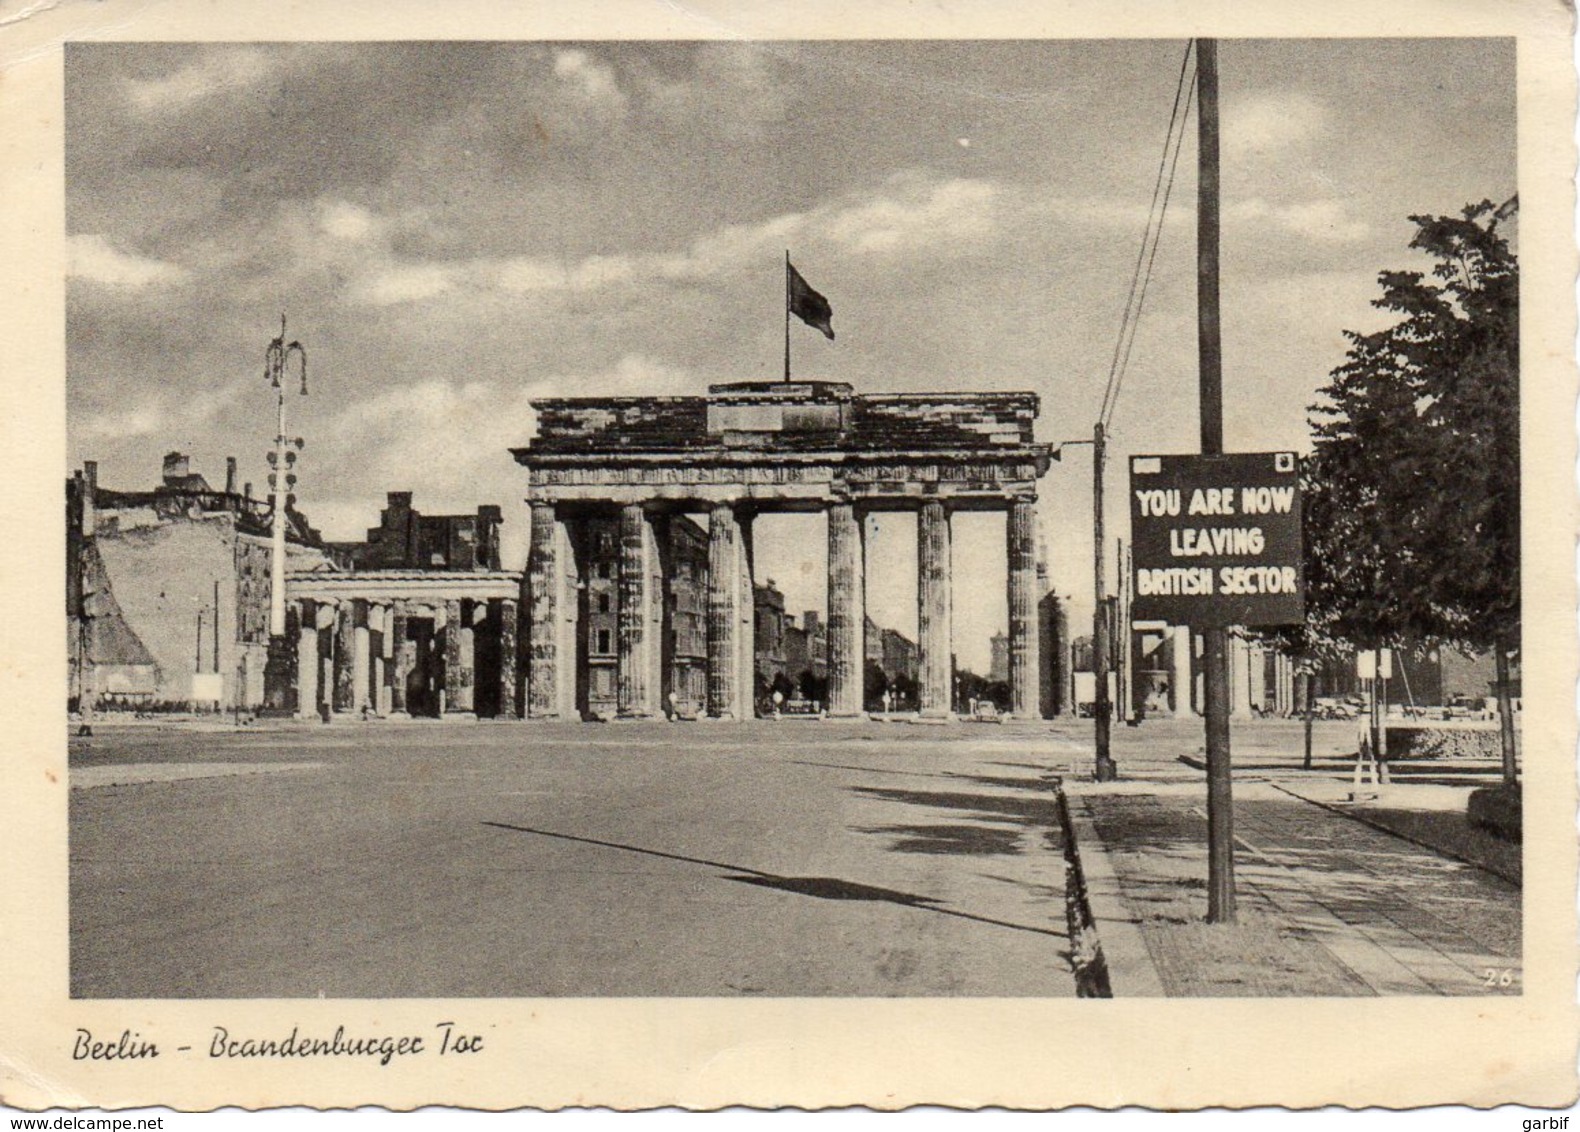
{"points": [[806, 304]]}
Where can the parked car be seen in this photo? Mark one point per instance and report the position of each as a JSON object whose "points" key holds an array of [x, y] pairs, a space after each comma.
{"points": [[986, 711], [1331, 707], [1473, 707]]}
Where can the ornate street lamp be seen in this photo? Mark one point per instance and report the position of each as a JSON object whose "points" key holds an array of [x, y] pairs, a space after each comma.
{"points": [[282, 461], [277, 364]]}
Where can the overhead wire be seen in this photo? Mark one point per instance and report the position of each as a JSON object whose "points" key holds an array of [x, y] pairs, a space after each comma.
{"points": [[1135, 276], [1141, 298], [1141, 275]]}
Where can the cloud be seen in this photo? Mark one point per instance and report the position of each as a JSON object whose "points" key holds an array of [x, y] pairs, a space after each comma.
{"points": [[520, 274], [954, 210], [222, 71], [909, 214], [93, 258], [592, 81], [123, 423], [744, 76], [345, 221], [451, 437], [405, 284], [1272, 123], [1327, 221]]}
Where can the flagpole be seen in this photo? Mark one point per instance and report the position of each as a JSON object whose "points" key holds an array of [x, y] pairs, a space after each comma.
{"points": [[787, 314]]}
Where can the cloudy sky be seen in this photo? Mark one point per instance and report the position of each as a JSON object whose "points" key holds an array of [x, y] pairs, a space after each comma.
{"points": [[456, 229]]}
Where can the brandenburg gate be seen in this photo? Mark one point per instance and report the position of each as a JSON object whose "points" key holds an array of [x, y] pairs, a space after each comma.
{"points": [[744, 450]]}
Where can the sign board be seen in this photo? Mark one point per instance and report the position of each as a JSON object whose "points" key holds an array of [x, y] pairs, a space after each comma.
{"points": [[1366, 664], [207, 687], [1216, 540]]}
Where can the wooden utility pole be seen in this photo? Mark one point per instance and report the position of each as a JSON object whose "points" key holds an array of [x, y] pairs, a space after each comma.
{"points": [[1106, 770], [1310, 682], [1124, 661], [216, 624], [1220, 800]]}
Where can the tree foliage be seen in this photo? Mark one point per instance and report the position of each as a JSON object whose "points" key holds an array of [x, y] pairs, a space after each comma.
{"points": [[1413, 489]]}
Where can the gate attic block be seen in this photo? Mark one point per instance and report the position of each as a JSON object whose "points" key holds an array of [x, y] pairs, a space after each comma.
{"points": [[754, 447], [787, 446]]}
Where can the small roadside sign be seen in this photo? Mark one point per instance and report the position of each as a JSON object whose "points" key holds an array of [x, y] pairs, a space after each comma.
{"points": [[1216, 540], [1366, 664]]}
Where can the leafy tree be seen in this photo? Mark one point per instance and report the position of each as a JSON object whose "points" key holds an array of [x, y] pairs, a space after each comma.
{"points": [[1413, 489]]}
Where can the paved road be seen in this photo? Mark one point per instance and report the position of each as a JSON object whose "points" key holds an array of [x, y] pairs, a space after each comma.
{"points": [[796, 858]]}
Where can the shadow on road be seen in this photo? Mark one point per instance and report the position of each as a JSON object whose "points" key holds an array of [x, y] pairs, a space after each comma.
{"points": [[824, 888], [828, 888], [966, 840], [1036, 810]]}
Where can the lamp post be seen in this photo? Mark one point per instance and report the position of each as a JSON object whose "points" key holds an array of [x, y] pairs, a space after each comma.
{"points": [[1106, 770], [276, 360], [282, 459]]}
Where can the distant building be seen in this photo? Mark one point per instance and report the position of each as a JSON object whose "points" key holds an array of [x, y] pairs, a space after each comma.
{"points": [[792, 658], [806, 655], [687, 595], [405, 539], [998, 664], [768, 625], [898, 661], [685, 588], [168, 588]]}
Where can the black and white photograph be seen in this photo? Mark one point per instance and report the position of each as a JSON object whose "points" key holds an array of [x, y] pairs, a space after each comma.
{"points": [[752, 521]]}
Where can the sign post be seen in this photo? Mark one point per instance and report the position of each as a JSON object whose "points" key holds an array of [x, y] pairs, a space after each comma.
{"points": [[1209, 383], [1216, 541]]}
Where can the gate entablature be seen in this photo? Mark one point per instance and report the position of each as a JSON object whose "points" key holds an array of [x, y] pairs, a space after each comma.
{"points": [[787, 446]]}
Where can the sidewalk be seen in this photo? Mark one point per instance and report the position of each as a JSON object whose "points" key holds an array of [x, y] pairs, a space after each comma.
{"points": [[1329, 904]]}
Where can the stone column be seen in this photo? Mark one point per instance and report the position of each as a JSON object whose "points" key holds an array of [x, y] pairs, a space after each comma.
{"points": [[847, 612], [1286, 669], [405, 654], [569, 577], [658, 666], [1256, 670], [934, 615], [360, 658], [1181, 653], [1239, 678], [387, 660], [457, 662], [723, 598], [345, 694], [307, 663], [378, 656], [325, 614], [542, 604], [507, 660], [1021, 540], [746, 626], [637, 696], [1064, 660], [473, 612]]}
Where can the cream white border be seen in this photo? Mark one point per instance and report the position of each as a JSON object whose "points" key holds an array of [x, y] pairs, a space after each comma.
{"points": [[709, 1053]]}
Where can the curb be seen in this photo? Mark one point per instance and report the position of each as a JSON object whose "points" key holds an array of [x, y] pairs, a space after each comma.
{"points": [[1131, 972]]}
